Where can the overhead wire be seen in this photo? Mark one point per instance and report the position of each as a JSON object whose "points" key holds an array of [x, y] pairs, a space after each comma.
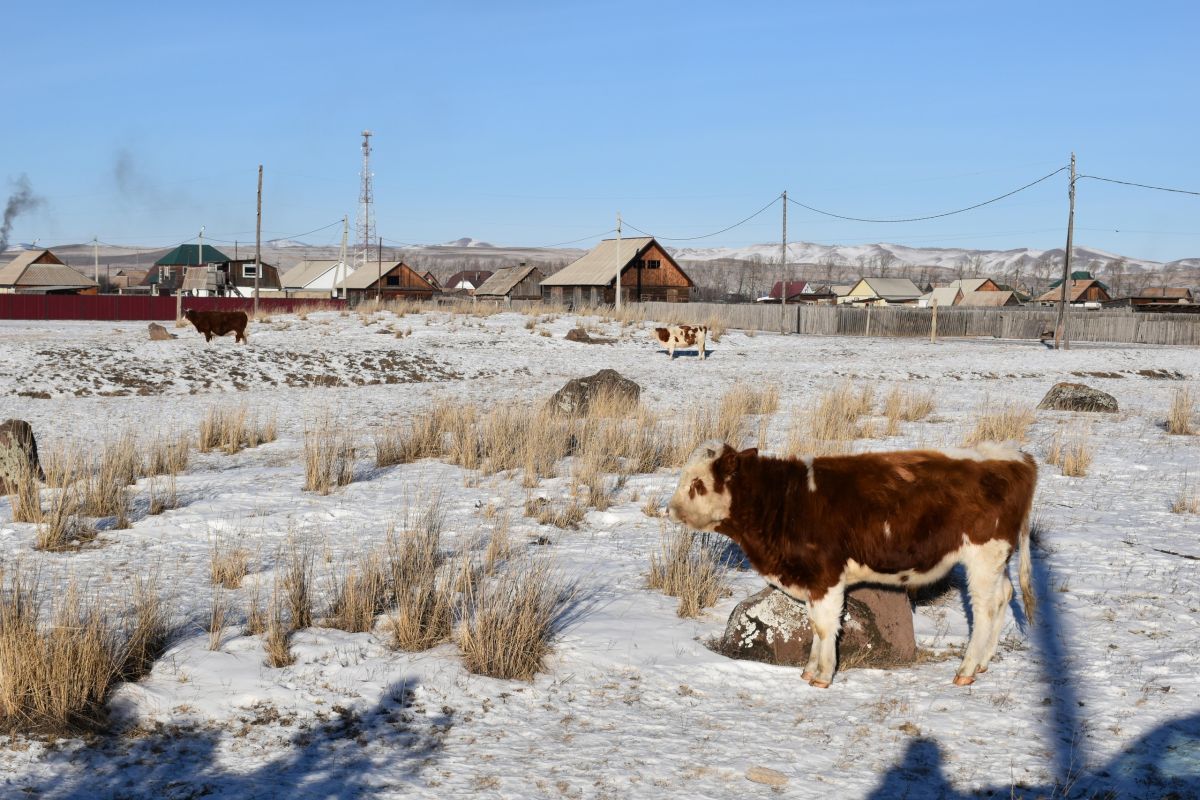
{"points": [[1139, 185], [774, 200]]}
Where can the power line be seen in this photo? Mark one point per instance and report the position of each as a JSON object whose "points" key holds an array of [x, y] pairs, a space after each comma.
{"points": [[774, 200], [1139, 185], [932, 216], [582, 239]]}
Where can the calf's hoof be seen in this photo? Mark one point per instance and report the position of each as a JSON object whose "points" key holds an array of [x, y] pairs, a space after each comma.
{"points": [[964, 680], [807, 675], [818, 684], [981, 670]]}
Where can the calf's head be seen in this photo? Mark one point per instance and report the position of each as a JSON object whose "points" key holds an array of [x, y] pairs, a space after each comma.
{"points": [[704, 496]]}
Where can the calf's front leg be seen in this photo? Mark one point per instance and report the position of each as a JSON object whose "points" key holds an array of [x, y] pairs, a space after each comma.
{"points": [[825, 615]]}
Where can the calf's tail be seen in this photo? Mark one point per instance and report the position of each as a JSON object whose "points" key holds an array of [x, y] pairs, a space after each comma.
{"points": [[1025, 573]]}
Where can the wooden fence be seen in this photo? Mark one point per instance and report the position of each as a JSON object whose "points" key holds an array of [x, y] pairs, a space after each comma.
{"points": [[1119, 326], [114, 307]]}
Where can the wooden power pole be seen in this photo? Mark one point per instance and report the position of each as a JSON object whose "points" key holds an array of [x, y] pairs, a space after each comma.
{"points": [[1062, 334], [619, 261], [258, 242], [783, 271]]}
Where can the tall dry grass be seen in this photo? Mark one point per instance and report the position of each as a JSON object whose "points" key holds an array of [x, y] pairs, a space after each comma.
{"points": [[509, 620], [689, 566], [228, 564], [1008, 422], [1072, 453], [1188, 499], [25, 495], [1182, 412], [905, 405], [361, 593], [421, 582], [169, 456], [832, 423], [328, 456], [232, 430], [62, 526], [57, 676]]}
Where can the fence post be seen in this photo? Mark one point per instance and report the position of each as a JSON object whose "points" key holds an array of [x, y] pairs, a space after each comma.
{"points": [[868, 331], [933, 323]]}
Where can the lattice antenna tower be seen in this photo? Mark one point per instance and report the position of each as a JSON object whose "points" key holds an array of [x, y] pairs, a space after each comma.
{"points": [[365, 223]]}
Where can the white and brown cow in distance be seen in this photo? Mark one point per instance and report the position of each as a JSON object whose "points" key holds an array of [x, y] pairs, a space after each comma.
{"points": [[814, 526], [682, 336]]}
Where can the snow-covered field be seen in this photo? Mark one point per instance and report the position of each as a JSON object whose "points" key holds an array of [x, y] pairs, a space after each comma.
{"points": [[1102, 694]]}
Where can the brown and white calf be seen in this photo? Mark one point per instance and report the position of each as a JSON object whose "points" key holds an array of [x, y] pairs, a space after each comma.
{"points": [[682, 336], [814, 526]]}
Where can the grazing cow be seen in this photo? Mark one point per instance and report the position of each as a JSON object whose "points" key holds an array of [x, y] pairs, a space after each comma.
{"points": [[219, 323], [682, 336], [813, 526]]}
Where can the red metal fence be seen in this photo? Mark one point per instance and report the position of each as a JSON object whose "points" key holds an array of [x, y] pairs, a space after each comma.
{"points": [[116, 307]]}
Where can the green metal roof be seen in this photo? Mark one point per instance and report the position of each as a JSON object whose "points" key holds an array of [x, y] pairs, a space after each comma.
{"points": [[185, 256]]}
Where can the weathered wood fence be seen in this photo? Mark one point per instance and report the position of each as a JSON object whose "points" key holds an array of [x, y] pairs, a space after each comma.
{"points": [[1119, 326]]}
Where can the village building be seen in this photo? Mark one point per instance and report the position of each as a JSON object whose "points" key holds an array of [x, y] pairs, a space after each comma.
{"points": [[968, 285], [314, 279], [990, 299], [466, 281], [1090, 292], [433, 281], [942, 296], [646, 270], [795, 292], [882, 292], [168, 273], [42, 272], [390, 280], [512, 283]]}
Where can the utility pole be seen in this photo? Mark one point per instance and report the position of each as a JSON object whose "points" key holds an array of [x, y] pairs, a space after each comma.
{"points": [[379, 274], [258, 242], [783, 271], [1062, 330], [618, 261], [96, 259], [365, 227], [342, 267]]}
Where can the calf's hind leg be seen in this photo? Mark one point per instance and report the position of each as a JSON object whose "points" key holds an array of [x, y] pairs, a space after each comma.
{"points": [[988, 587]]}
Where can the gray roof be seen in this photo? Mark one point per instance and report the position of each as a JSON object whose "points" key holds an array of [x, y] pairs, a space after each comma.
{"points": [[599, 266], [366, 275], [945, 295], [986, 299], [306, 272], [22, 272], [893, 288], [503, 281], [969, 284]]}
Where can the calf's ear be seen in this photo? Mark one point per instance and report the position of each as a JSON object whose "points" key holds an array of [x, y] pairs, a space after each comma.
{"points": [[749, 452], [726, 466]]}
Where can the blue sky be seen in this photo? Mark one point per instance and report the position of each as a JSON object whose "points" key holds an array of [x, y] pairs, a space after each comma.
{"points": [[534, 123]]}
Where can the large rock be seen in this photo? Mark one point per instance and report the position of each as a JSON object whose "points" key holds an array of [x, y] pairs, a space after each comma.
{"points": [[577, 396], [877, 630], [1077, 397], [18, 454], [160, 334]]}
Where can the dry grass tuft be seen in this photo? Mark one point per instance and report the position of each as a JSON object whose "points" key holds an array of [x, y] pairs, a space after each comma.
{"points": [[422, 593], [216, 619], [163, 500], [565, 514], [61, 526], [904, 405], [1072, 453], [169, 456], [832, 423], [1008, 423], [689, 566], [1181, 413], [360, 594], [297, 584], [328, 456], [1188, 499], [277, 636], [233, 430], [509, 622], [228, 564], [26, 496]]}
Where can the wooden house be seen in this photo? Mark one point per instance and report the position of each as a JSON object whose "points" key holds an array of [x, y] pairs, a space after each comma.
{"points": [[239, 275], [883, 292], [433, 281], [1162, 294], [512, 283], [466, 280], [795, 290], [990, 299], [1078, 291], [391, 280], [645, 269], [968, 285], [943, 296], [42, 272], [169, 271]]}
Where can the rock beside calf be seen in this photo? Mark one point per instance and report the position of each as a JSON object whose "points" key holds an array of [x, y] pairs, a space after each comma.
{"points": [[877, 630], [160, 334], [1077, 397], [578, 395], [18, 454]]}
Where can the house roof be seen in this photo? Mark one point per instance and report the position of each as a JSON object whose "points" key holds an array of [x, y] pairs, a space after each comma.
{"points": [[22, 271], [1173, 292], [892, 288], [599, 266], [969, 284], [1080, 275], [304, 273], [367, 275], [944, 295], [503, 281], [1075, 290], [473, 277], [793, 288], [432, 279], [987, 299], [186, 256]]}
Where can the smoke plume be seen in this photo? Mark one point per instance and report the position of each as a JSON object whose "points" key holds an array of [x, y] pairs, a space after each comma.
{"points": [[21, 200]]}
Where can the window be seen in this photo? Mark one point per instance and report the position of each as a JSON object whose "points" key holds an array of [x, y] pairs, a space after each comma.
{"points": [[248, 270], [393, 280], [653, 263]]}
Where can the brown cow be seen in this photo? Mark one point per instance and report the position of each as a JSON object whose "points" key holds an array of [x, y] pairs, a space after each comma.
{"points": [[813, 526], [682, 336], [219, 323]]}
